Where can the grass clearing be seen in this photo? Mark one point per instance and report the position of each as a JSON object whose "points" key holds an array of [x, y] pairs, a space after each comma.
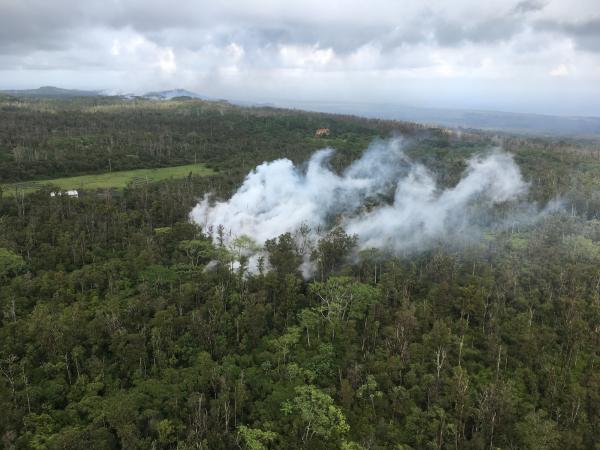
{"points": [[117, 180]]}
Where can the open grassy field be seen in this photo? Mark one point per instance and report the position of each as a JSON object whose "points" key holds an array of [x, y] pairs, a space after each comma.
{"points": [[116, 180]]}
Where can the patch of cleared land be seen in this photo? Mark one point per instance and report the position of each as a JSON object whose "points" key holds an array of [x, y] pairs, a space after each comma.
{"points": [[117, 180]]}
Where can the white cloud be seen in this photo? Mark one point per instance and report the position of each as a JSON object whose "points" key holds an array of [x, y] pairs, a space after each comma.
{"points": [[560, 71], [303, 56], [460, 53], [166, 61], [115, 50]]}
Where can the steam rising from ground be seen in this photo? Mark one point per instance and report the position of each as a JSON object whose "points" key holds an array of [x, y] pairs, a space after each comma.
{"points": [[421, 214], [408, 210]]}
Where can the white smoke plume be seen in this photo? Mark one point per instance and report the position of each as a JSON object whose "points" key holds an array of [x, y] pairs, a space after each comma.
{"points": [[421, 213], [278, 197]]}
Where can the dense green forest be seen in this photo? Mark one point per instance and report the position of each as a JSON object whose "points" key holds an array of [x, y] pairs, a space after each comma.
{"points": [[118, 330]]}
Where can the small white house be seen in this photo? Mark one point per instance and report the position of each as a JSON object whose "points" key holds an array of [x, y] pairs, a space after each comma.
{"points": [[70, 193]]}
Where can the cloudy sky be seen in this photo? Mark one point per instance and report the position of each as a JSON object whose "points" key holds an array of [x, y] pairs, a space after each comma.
{"points": [[530, 55]]}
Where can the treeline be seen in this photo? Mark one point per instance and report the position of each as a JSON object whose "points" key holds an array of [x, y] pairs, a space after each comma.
{"points": [[55, 138], [50, 138]]}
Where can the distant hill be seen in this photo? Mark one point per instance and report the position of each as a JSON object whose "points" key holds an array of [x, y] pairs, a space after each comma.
{"points": [[174, 93], [50, 92], [56, 92], [510, 122]]}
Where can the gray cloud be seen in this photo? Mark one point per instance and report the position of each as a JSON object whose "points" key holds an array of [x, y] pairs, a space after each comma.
{"points": [[486, 31], [428, 51], [36, 24], [585, 33], [527, 6]]}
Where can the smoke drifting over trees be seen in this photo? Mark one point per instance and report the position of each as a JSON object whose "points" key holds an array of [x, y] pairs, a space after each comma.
{"points": [[388, 201]]}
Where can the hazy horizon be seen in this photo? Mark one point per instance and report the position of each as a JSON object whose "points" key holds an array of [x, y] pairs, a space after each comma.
{"points": [[518, 56]]}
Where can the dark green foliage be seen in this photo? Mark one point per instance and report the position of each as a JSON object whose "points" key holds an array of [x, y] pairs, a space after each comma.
{"points": [[283, 255], [119, 330]]}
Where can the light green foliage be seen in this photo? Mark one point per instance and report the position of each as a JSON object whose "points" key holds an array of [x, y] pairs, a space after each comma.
{"points": [[10, 263], [581, 247], [159, 275], [341, 299], [116, 180], [166, 432], [244, 245], [317, 413], [350, 445], [369, 390], [256, 439], [284, 343], [309, 320], [538, 432], [41, 428], [241, 249], [197, 251], [519, 242]]}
